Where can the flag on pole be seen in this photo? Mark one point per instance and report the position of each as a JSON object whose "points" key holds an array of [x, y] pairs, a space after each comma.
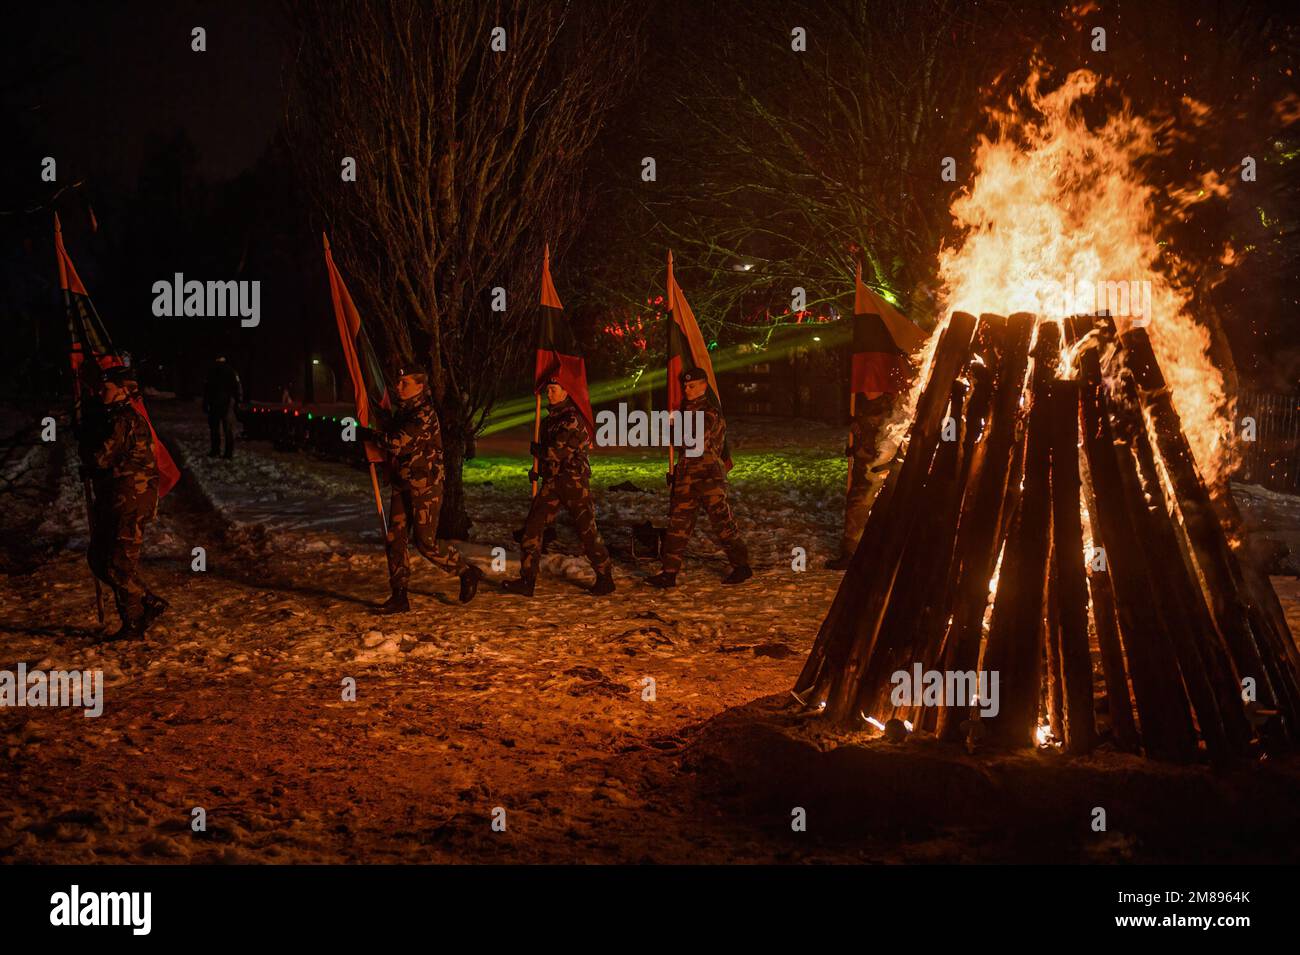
{"points": [[686, 350], [92, 352], [558, 354], [882, 340], [368, 386]]}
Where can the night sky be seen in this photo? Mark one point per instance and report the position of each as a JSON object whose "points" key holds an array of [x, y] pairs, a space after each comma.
{"points": [[115, 77]]}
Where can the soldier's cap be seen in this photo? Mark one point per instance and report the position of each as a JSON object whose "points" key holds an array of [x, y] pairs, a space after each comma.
{"points": [[118, 375], [402, 369], [694, 374], [548, 382]]}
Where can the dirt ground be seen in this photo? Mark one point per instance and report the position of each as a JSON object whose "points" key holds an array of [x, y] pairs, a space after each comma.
{"points": [[535, 712]]}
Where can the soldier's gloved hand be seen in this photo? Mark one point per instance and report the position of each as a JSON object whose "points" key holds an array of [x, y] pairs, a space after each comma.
{"points": [[535, 449], [382, 417], [670, 478], [533, 476], [848, 450]]}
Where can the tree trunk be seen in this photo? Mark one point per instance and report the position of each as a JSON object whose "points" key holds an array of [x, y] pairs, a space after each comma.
{"points": [[453, 519]]}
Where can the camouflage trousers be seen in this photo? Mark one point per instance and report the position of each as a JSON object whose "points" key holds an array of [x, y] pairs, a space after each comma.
{"points": [[575, 495], [121, 511], [857, 505], [416, 504], [691, 489]]}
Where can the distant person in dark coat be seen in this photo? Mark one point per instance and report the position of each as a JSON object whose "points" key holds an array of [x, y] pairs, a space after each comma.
{"points": [[222, 392]]}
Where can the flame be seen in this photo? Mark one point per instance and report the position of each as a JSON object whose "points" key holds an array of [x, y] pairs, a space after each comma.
{"points": [[1059, 219]]}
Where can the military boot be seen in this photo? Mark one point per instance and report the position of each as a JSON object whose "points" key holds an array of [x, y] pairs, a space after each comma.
{"points": [[130, 630], [663, 580], [738, 575], [469, 578], [523, 586], [154, 607], [397, 603], [604, 584]]}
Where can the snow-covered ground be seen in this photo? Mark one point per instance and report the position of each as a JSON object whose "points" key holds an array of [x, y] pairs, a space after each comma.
{"points": [[593, 723], [567, 710]]}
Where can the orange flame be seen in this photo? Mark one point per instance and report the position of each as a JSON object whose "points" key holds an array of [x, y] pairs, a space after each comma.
{"points": [[1059, 219]]}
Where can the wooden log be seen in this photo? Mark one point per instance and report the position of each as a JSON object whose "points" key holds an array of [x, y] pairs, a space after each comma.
{"points": [[1072, 589], [1015, 649], [978, 543], [1054, 689], [1202, 658], [1119, 700], [1247, 643], [854, 619], [924, 568], [1166, 730], [903, 641]]}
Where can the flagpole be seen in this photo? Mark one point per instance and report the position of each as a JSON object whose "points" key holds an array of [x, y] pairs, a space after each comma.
{"points": [[337, 303], [379, 499], [853, 403], [537, 433], [668, 359], [87, 492]]}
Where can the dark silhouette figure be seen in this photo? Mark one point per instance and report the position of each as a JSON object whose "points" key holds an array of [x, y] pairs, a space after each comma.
{"points": [[221, 393]]}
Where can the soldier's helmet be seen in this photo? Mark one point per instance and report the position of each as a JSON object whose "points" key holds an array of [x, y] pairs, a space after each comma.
{"points": [[119, 375], [403, 368]]}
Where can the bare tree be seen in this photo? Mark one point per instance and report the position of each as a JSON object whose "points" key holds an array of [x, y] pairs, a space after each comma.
{"points": [[785, 165], [469, 158]]}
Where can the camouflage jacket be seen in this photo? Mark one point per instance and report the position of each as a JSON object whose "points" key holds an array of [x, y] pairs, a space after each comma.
{"points": [[565, 443], [119, 448], [715, 437], [413, 441], [863, 431]]}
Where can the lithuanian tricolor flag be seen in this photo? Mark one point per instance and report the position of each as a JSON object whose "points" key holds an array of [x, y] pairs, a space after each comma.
{"points": [[882, 340], [558, 354], [368, 386], [91, 351], [686, 350]]}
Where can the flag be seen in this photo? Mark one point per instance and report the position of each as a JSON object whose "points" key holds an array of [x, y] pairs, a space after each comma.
{"points": [[368, 387], [686, 350], [882, 340], [91, 351], [558, 354]]}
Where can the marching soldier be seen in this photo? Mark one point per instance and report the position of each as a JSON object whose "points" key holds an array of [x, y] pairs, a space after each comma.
{"points": [[861, 451], [412, 439], [701, 481], [117, 454], [565, 475]]}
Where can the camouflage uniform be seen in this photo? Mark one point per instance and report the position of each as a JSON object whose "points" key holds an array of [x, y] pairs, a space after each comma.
{"points": [[565, 472], [117, 452], [702, 480], [413, 442], [861, 451]]}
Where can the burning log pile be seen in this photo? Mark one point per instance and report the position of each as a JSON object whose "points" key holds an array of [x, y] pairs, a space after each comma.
{"points": [[1033, 444]]}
